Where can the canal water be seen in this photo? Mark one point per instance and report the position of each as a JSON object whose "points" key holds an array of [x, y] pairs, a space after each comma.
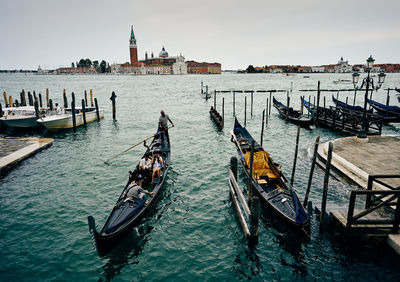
{"points": [[192, 233]]}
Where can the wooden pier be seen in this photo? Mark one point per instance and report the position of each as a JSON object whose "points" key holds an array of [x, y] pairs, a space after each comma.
{"points": [[373, 164], [15, 150]]}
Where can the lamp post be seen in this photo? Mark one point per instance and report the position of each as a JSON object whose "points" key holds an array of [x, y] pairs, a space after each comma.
{"points": [[369, 82]]}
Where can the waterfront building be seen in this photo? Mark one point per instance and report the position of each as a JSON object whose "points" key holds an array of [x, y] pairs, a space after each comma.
{"points": [[317, 69], [75, 70], [343, 66], [163, 64]]}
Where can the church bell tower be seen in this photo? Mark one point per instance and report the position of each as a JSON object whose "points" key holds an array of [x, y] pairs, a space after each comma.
{"points": [[133, 48]]}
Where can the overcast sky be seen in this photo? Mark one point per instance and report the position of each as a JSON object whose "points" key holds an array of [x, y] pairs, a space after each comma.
{"points": [[236, 33]]}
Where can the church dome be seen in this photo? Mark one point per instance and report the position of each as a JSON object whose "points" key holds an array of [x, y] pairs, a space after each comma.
{"points": [[163, 53]]}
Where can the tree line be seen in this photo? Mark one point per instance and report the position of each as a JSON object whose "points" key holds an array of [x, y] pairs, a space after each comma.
{"points": [[101, 67]]}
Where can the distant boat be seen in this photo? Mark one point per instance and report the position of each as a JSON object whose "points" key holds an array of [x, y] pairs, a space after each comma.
{"points": [[64, 121], [306, 76], [343, 81], [20, 117]]}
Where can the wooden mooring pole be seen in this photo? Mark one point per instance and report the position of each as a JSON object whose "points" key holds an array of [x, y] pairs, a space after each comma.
{"points": [[223, 110], [314, 158], [85, 98], [5, 99], [202, 87], [388, 97], [10, 101], [23, 98], [30, 99], [233, 99], [262, 129], [65, 100], [295, 154], [251, 112], [97, 109], [287, 111], [91, 98], [113, 96], [37, 108], [84, 112], [270, 101], [40, 100], [254, 219], [51, 104], [250, 187], [317, 106], [215, 99], [266, 112], [73, 115], [47, 97], [326, 181], [245, 110], [1, 112]]}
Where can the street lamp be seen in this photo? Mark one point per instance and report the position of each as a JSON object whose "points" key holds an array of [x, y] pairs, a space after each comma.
{"points": [[367, 81]]}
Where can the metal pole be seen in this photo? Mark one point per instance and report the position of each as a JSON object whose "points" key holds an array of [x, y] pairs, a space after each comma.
{"points": [[355, 95], [326, 181], [314, 158], [295, 154], [363, 133]]}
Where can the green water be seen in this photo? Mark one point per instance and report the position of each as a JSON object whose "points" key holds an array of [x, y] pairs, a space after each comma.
{"points": [[192, 233]]}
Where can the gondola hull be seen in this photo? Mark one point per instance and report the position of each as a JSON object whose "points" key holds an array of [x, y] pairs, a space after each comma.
{"points": [[127, 214], [292, 115], [271, 185]]}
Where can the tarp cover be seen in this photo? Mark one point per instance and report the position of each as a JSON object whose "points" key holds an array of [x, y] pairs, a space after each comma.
{"points": [[260, 164]]}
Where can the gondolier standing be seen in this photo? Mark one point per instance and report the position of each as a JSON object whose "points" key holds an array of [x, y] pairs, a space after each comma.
{"points": [[163, 125]]}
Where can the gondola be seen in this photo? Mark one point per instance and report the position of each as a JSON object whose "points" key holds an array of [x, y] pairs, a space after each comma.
{"points": [[267, 179], [397, 89], [388, 111], [292, 115], [343, 105], [127, 213]]}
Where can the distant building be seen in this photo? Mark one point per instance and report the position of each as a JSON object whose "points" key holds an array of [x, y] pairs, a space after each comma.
{"points": [[163, 64], [75, 70], [343, 66], [318, 69]]}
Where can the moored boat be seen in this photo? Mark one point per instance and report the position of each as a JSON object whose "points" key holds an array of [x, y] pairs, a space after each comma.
{"points": [[64, 121], [383, 109], [343, 105], [292, 115], [20, 117], [127, 213], [267, 179]]}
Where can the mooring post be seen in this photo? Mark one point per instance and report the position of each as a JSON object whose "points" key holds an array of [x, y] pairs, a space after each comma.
{"points": [[30, 99], [97, 109], [73, 115], [34, 95], [215, 99], [91, 98], [337, 95], [245, 110], [326, 181], [370, 98], [1, 112], [266, 112], [387, 98], [301, 104], [65, 100], [314, 158], [324, 102], [73, 97], [113, 96], [16, 103], [262, 129], [202, 87], [295, 154], [47, 97], [24, 99], [84, 112], [206, 91], [223, 111], [234, 163], [51, 104], [37, 108], [250, 189], [270, 101], [40, 100], [5, 98], [254, 219], [10, 101], [287, 109], [251, 113], [85, 98], [317, 106], [309, 103], [233, 102], [355, 95], [347, 100]]}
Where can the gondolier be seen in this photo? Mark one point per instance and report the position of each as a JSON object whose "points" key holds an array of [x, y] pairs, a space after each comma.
{"points": [[163, 125]]}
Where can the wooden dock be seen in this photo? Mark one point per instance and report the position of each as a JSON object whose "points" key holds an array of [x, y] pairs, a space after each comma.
{"points": [[15, 150], [374, 164]]}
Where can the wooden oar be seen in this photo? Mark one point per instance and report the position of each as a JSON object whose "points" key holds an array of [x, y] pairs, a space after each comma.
{"points": [[234, 137], [158, 132]]}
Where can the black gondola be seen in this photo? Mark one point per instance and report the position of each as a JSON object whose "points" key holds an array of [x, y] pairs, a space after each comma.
{"points": [[397, 89], [389, 113], [292, 115], [343, 105], [127, 212], [269, 182]]}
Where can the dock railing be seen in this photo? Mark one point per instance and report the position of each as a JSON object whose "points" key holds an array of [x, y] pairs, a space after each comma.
{"points": [[376, 199]]}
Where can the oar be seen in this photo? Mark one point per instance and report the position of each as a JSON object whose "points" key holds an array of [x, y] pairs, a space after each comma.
{"points": [[158, 132], [234, 137]]}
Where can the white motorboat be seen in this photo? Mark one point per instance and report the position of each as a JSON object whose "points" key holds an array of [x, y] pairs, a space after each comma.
{"points": [[64, 121], [20, 117]]}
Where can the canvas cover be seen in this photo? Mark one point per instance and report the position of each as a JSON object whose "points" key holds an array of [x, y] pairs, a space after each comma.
{"points": [[260, 165]]}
